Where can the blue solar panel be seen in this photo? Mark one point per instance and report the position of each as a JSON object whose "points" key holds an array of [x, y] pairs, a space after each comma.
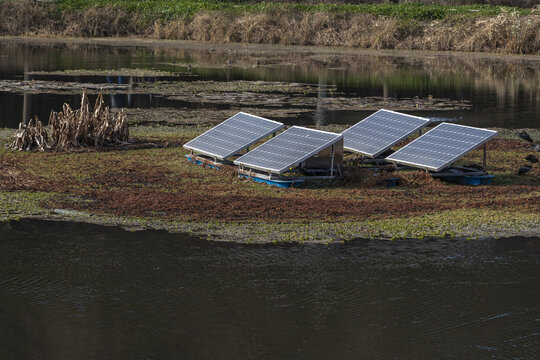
{"points": [[380, 131], [288, 149], [441, 146], [233, 135]]}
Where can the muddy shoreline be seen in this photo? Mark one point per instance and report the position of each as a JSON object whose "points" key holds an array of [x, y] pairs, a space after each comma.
{"points": [[264, 48]]}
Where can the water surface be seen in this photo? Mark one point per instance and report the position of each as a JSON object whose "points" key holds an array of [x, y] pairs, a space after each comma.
{"points": [[75, 291], [504, 92]]}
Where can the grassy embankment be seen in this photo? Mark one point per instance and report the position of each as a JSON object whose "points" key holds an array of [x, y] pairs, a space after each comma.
{"points": [[378, 26], [156, 188]]}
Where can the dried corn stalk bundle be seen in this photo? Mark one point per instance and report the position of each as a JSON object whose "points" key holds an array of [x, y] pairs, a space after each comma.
{"points": [[31, 136], [87, 127], [84, 127]]}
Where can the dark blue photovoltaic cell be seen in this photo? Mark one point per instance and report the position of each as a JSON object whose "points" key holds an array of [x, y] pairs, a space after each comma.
{"points": [[233, 135], [441, 146], [380, 131], [288, 149]]}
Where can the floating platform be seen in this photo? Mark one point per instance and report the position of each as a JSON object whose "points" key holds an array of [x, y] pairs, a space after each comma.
{"points": [[300, 154], [474, 180], [465, 176], [274, 182], [283, 181], [203, 161]]}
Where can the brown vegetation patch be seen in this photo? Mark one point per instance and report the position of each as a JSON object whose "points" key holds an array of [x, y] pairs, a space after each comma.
{"points": [[14, 177], [132, 177], [506, 33], [415, 179], [100, 22], [237, 207], [304, 205], [161, 184], [24, 17], [133, 144], [507, 145]]}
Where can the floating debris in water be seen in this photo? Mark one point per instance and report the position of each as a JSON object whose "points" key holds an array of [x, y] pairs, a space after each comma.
{"points": [[84, 127]]}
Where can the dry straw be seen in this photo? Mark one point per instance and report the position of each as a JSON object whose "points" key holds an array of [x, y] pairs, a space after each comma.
{"points": [[85, 127]]}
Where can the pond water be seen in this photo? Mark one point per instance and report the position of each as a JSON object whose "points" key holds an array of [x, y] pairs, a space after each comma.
{"points": [[76, 291], [504, 92]]}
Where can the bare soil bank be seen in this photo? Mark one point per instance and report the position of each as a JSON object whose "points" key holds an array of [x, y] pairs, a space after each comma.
{"points": [[506, 33]]}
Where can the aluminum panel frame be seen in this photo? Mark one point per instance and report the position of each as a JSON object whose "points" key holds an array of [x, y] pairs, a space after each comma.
{"points": [[424, 146], [275, 146], [224, 140], [376, 120]]}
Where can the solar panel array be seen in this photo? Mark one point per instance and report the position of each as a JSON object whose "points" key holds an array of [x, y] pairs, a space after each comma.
{"points": [[288, 149], [233, 135], [441, 146], [380, 131]]}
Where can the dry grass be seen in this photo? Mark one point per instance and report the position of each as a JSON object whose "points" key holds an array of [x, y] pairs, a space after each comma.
{"points": [[100, 22], [88, 127], [505, 33], [28, 17], [415, 179], [85, 127], [31, 136], [24, 17]]}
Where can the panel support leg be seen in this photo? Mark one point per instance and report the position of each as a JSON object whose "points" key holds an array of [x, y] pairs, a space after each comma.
{"points": [[484, 160], [332, 162]]}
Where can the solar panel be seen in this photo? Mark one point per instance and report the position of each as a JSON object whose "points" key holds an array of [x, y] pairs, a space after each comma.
{"points": [[441, 146], [233, 135], [380, 131], [288, 150]]}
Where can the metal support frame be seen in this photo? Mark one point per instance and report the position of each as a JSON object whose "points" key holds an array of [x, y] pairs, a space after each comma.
{"points": [[332, 162], [484, 159], [250, 173], [211, 160], [460, 173]]}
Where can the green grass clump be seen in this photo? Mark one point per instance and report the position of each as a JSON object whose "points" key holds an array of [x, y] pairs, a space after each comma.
{"points": [[19, 204], [171, 9]]}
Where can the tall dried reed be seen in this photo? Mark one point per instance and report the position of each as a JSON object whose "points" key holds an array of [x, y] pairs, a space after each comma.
{"points": [[84, 127], [505, 33]]}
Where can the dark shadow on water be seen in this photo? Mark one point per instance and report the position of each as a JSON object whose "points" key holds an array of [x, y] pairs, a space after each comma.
{"points": [[19, 108], [79, 291]]}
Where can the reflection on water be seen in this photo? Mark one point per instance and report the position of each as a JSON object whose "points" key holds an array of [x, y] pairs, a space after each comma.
{"points": [[42, 104], [505, 92], [73, 291]]}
